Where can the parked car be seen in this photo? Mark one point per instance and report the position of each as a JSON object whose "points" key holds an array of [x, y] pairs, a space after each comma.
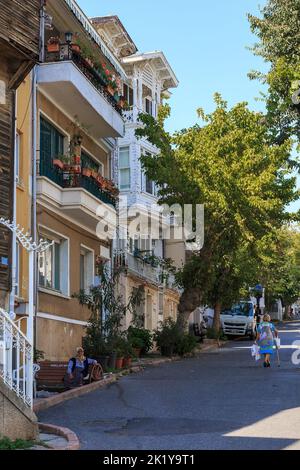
{"points": [[239, 320]]}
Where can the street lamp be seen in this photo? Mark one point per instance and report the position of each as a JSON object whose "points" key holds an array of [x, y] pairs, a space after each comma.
{"points": [[68, 37]]}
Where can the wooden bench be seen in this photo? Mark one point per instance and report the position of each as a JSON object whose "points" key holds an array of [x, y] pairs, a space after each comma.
{"points": [[51, 375]]}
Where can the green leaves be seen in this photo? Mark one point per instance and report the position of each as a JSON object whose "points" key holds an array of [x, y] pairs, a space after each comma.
{"points": [[245, 183]]}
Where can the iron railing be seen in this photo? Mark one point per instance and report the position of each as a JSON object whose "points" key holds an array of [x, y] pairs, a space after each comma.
{"points": [[16, 359], [66, 179]]}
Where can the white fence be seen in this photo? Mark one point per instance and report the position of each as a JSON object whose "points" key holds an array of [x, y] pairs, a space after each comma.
{"points": [[16, 359]]}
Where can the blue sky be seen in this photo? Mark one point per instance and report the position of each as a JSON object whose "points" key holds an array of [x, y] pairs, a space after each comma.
{"points": [[204, 41]]}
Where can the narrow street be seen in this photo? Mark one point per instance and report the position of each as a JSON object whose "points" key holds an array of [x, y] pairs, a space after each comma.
{"points": [[220, 400]]}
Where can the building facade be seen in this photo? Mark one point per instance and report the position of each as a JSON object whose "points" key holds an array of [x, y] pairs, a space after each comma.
{"points": [[72, 122], [19, 51], [149, 78]]}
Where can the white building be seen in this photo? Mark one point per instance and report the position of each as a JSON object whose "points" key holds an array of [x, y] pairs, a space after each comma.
{"points": [[149, 77]]}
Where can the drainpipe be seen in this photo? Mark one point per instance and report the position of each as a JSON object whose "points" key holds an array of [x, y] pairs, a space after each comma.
{"points": [[33, 300], [14, 215]]}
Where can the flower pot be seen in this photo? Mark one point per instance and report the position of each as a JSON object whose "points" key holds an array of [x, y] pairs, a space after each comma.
{"points": [[75, 48], [77, 159], [58, 163], [110, 90], [87, 172], [119, 362], [127, 361], [103, 360], [112, 360], [53, 47], [137, 352]]}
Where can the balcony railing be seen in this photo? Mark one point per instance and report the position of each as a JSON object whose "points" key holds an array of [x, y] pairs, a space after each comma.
{"points": [[97, 79], [67, 179]]}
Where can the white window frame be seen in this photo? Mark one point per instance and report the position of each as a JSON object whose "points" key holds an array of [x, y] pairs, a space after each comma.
{"points": [[127, 188], [89, 263], [101, 164], [64, 261]]}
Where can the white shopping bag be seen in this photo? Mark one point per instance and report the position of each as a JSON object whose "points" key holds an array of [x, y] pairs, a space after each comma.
{"points": [[277, 343], [254, 350]]}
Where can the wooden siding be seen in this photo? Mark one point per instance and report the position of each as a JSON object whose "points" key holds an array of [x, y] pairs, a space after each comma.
{"points": [[19, 25], [6, 187]]}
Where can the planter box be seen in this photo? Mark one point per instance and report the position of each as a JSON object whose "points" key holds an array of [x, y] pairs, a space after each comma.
{"points": [[87, 172], [53, 47]]}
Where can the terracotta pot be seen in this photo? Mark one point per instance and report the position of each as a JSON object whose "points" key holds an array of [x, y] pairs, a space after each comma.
{"points": [[75, 47], [53, 47], [137, 351], [87, 172], [77, 159], [58, 163], [127, 361], [110, 90], [119, 362]]}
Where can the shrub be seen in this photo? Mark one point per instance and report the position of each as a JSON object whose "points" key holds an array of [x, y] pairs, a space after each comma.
{"points": [[186, 345], [8, 444], [167, 337], [171, 340], [140, 338]]}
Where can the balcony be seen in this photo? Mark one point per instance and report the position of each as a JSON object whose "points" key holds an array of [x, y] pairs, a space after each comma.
{"points": [[147, 271], [80, 90], [73, 194]]}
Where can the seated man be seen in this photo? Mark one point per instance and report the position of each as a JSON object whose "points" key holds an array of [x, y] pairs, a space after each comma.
{"points": [[78, 369]]}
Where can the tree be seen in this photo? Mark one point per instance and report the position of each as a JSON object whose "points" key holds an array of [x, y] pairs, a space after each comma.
{"points": [[107, 307], [229, 165], [279, 261], [278, 31]]}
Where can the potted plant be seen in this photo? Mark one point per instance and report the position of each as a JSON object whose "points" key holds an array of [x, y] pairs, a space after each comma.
{"points": [[140, 339], [75, 47], [77, 159], [53, 44], [128, 353], [86, 171], [58, 163]]}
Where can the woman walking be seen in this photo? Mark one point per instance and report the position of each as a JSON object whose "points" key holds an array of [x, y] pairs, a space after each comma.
{"points": [[266, 332]]}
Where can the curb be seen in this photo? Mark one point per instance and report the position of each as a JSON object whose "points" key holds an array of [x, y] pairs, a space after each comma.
{"points": [[45, 403], [70, 436]]}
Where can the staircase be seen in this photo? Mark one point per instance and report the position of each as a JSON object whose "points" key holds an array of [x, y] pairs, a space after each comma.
{"points": [[17, 419]]}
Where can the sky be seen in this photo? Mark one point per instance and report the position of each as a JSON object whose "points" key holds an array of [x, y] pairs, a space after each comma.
{"points": [[206, 43]]}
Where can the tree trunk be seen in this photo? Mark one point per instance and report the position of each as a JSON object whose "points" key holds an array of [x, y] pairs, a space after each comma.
{"points": [[190, 299], [217, 318]]}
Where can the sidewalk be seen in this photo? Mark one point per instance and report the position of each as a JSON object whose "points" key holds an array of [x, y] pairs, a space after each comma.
{"points": [[137, 366]]}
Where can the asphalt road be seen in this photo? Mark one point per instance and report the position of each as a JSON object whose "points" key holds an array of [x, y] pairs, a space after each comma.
{"points": [[220, 400]]}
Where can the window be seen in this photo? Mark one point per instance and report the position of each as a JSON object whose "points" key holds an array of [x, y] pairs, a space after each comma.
{"points": [[89, 162], [86, 268], [128, 94], [124, 168], [149, 184], [51, 142], [148, 106], [53, 266], [161, 302]]}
